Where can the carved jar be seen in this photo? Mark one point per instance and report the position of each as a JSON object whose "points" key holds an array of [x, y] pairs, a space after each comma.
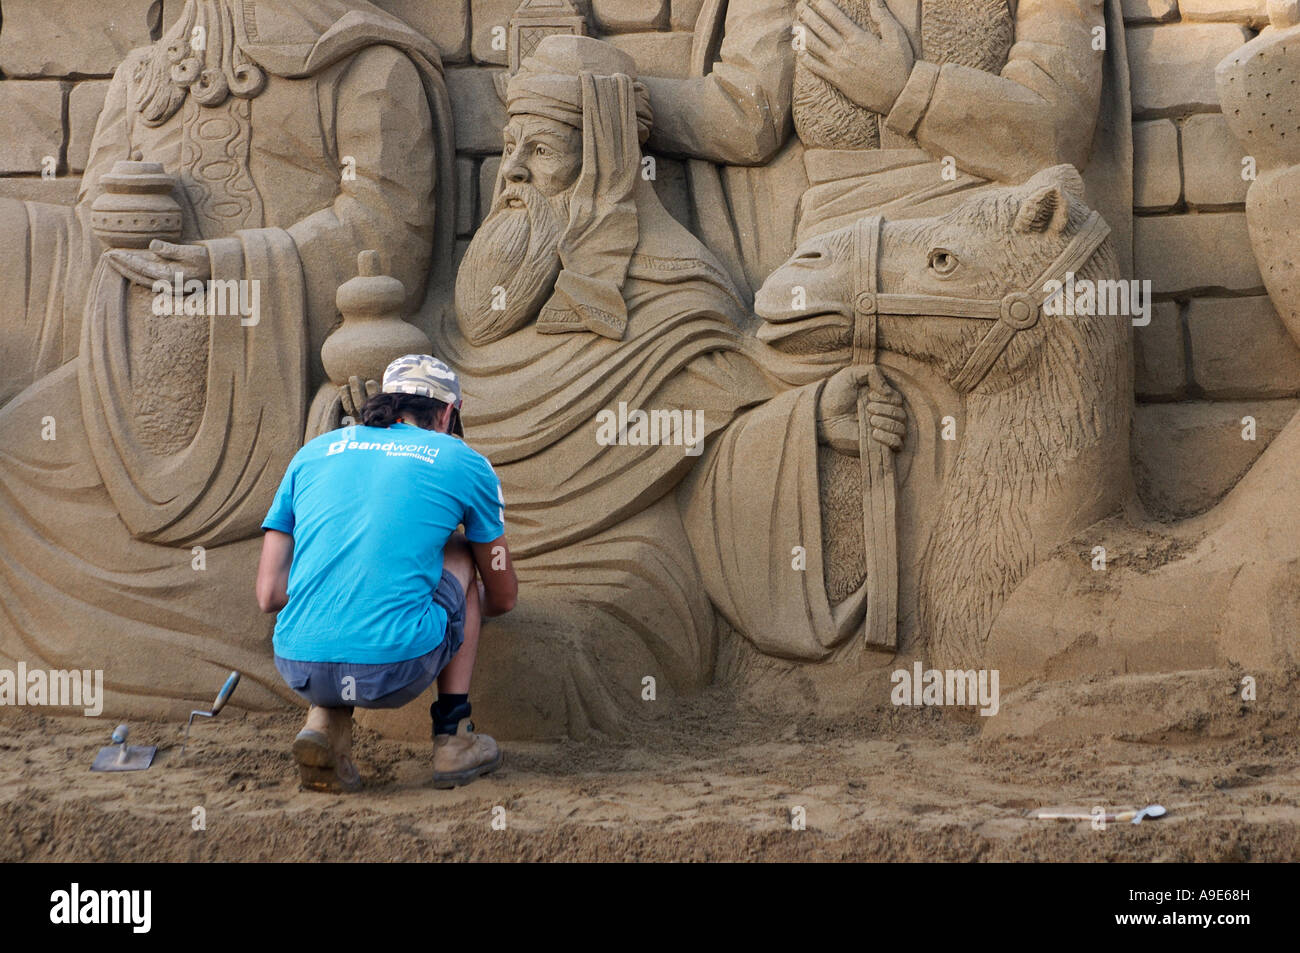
{"points": [[137, 206]]}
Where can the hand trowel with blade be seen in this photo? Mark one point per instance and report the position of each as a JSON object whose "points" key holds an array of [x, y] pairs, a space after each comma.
{"points": [[119, 756]]}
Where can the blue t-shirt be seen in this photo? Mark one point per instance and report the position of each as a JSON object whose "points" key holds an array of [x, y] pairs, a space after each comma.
{"points": [[370, 510]]}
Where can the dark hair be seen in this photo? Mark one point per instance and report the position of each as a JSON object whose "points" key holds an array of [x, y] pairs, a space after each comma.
{"points": [[382, 410]]}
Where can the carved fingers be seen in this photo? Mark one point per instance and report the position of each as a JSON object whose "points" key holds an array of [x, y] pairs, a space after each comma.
{"points": [[838, 408], [871, 71], [162, 262], [193, 259], [354, 394], [888, 423], [888, 417]]}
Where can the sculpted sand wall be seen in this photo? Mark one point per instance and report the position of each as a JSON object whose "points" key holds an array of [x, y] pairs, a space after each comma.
{"points": [[1215, 350]]}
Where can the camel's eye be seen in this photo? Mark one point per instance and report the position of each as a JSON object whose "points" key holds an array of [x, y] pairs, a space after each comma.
{"points": [[942, 262]]}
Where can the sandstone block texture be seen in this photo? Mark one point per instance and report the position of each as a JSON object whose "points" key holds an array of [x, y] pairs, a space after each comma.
{"points": [[479, 113], [85, 103], [1188, 454], [61, 190], [446, 22], [657, 54], [1149, 11], [1157, 179], [685, 13], [1212, 163], [466, 195], [72, 37], [630, 16], [1159, 355], [487, 45], [1171, 66], [487, 180], [31, 115], [1182, 254], [1252, 12], [1240, 348]]}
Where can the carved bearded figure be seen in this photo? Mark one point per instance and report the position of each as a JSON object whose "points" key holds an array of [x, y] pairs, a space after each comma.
{"points": [[580, 301], [129, 534]]}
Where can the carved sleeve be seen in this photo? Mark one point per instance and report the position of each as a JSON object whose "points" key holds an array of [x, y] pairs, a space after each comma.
{"points": [[739, 114], [383, 137], [1040, 111]]}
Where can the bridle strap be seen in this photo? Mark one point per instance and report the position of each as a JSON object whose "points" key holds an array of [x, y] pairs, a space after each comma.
{"points": [[1020, 311], [1016, 311], [866, 263]]}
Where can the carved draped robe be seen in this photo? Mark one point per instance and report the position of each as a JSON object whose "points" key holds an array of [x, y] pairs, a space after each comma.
{"points": [[140, 452], [595, 529]]}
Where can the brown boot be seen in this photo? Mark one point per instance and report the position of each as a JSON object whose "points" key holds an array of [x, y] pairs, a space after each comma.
{"points": [[460, 758], [323, 750]]}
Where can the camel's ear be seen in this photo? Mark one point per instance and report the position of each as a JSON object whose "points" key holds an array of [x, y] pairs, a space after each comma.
{"points": [[1047, 209]]}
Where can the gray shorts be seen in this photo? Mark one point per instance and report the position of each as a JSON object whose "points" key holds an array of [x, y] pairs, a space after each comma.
{"points": [[389, 685]]}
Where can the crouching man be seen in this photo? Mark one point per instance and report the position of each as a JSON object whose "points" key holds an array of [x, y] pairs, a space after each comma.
{"points": [[376, 589]]}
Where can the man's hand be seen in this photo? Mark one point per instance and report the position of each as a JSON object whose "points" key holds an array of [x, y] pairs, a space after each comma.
{"points": [[837, 410], [353, 396], [161, 263], [871, 71]]}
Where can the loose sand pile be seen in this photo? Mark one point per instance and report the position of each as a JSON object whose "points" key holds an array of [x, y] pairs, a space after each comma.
{"points": [[716, 780]]}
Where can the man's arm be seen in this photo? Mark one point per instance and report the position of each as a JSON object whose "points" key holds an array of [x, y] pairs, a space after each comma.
{"points": [[499, 584], [273, 571]]}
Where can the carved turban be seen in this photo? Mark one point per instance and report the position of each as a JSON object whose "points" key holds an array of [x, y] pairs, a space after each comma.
{"points": [[592, 86]]}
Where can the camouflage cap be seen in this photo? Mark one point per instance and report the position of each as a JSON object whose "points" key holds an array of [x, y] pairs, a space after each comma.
{"points": [[426, 376]]}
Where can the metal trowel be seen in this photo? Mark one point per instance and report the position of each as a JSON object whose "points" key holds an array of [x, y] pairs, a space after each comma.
{"points": [[223, 696], [119, 756]]}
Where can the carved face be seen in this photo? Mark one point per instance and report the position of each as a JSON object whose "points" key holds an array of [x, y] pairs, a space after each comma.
{"points": [[510, 267], [541, 152]]}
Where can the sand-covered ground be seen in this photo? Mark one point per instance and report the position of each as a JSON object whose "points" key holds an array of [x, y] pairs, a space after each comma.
{"points": [[713, 780]]}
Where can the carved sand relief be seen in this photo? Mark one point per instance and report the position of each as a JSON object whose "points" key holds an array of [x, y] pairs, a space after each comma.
{"points": [[897, 403]]}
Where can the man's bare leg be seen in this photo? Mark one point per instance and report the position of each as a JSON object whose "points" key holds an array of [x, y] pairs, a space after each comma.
{"points": [[459, 561], [459, 754]]}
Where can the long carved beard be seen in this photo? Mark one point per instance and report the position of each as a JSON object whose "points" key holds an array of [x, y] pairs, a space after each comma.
{"points": [[217, 69], [511, 264]]}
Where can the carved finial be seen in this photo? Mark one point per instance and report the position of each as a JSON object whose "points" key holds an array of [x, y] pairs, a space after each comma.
{"points": [[373, 331], [536, 19]]}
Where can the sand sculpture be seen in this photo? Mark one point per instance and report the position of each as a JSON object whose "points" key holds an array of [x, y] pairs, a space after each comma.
{"points": [[831, 420], [1041, 398], [143, 446], [1219, 587]]}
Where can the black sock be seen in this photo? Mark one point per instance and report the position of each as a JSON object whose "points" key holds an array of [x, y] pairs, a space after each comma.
{"points": [[447, 712]]}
